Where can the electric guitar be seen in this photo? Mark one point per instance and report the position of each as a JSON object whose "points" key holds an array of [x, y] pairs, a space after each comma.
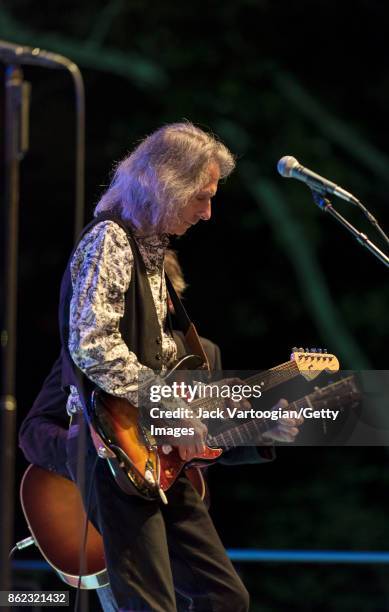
{"points": [[55, 514], [344, 392], [138, 464]]}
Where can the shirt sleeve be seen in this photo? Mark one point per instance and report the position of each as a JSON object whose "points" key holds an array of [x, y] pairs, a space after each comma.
{"points": [[101, 271], [43, 433]]}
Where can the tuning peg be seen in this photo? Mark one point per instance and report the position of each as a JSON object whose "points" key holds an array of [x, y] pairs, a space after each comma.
{"points": [[301, 349], [307, 350], [325, 351], [295, 349], [319, 350], [313, 350]]}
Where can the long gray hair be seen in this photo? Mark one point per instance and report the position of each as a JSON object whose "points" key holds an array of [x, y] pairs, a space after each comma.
{"points": [[152, 184]]}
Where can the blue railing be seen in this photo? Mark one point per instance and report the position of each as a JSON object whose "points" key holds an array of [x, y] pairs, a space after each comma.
{"points": [[249, 555], [307, 556]]}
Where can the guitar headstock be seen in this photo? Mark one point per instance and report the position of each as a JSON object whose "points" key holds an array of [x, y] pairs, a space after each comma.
{"points": [[336, 395], [312, 362]]}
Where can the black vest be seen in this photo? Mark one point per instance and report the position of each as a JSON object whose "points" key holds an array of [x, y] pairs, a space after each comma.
{"points": [[139, 326]]}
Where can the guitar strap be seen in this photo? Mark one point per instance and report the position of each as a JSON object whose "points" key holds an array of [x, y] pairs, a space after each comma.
{"points": [[188, 328]]}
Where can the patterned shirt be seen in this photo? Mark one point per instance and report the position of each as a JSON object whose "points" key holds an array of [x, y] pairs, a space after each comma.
{"points": [[101, 270]]}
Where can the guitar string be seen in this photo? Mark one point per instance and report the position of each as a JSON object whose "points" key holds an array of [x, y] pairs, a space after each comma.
{"points": [[268, 380], [261, 426], [275, 376]]}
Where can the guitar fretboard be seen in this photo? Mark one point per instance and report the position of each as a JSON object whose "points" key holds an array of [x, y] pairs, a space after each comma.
{"points": [[267, 380], [251, 432]]}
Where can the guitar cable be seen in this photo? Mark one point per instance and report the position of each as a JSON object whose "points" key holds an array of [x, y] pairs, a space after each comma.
{"points": [[29, 541], [83, 545]]}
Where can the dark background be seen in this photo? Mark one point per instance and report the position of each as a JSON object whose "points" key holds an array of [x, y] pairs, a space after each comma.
{"points": [[270, 270]]}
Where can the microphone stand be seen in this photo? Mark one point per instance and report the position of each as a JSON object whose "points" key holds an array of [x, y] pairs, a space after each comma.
{"points": [[373, 222], [17, 97], [17, 94], [325, 204]]}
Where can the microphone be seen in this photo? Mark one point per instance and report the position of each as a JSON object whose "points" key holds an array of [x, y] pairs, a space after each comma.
{"points": [[19, 54], [289, 167]]}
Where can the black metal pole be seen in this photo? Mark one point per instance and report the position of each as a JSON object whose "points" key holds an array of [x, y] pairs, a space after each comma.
{"points": [[325, 204], [16, 144], [16, 141]]}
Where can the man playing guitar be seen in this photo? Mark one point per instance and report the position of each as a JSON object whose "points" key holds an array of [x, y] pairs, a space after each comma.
{"points": [[113, 324]]}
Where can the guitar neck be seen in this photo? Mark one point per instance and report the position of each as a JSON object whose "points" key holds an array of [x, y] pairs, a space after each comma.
{"points": [[275, 376], [267, 380], [247, 433]]}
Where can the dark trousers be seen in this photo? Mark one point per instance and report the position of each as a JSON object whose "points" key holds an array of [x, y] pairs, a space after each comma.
{"points": [[152, 549]]}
